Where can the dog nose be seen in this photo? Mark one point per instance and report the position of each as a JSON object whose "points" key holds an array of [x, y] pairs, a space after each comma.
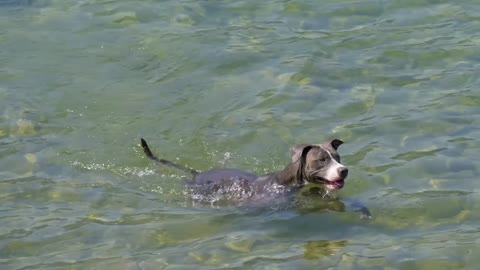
{"points": [[342, 171]]}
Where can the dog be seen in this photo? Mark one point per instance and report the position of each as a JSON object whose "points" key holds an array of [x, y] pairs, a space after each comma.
{"points": [[310, 163]]}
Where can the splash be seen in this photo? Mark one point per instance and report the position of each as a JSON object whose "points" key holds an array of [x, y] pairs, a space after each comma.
{"points": [[123, 171], [237, 193]]}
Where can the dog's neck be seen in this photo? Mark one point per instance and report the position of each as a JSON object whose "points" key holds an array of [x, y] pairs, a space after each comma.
{"points": [[289, 176]]}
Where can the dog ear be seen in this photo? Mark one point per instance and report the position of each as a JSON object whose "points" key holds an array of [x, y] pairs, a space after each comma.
{"points": [[299, 150], [335, 143]]}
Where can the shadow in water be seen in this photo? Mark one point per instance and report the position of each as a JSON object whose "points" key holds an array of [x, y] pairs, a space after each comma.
{"points": [[309, 201]]}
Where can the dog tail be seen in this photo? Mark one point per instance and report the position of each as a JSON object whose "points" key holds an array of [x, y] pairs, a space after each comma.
{"points": [[151, 156]]}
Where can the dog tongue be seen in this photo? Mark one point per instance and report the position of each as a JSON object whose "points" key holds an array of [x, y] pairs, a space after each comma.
{"points": [[339, 183]]}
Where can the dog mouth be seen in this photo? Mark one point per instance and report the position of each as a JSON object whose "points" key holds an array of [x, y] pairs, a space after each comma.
{"points": [[332, 185], [338, 184]]}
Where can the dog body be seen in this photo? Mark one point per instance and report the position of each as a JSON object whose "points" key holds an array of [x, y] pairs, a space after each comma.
{"points": [[310, 163]]}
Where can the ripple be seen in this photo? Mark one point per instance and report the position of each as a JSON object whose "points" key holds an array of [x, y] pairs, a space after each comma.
{"points": [[412, 155]]}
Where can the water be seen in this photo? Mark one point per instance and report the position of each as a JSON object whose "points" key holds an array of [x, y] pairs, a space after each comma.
{"points": [[235, 83]]}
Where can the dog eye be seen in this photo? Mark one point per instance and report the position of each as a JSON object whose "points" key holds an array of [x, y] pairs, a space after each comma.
{"points": [[322, 159]]}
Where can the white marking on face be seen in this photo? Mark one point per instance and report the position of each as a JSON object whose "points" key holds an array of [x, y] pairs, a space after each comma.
{"points": [[332, 171]]}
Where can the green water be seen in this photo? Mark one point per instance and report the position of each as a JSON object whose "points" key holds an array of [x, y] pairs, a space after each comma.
{"points": [[235, 83]]}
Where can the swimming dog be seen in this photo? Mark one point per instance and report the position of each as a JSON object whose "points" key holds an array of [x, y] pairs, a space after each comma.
{"points": [[310, 163]]}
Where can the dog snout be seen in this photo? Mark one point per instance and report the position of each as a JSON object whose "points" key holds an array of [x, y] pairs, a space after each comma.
{"points": [[342, 172]]}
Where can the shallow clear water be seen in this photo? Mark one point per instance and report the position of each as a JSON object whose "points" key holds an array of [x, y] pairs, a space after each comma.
{"points": [[235, 83]]}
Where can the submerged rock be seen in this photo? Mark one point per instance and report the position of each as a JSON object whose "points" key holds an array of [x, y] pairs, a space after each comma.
{"points": [[184, 19], [125, 17], [25, 127], [243, 245], [31, 158]]}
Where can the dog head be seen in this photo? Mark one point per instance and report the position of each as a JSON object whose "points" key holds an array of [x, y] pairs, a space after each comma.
{"points": [[320, 163]]}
